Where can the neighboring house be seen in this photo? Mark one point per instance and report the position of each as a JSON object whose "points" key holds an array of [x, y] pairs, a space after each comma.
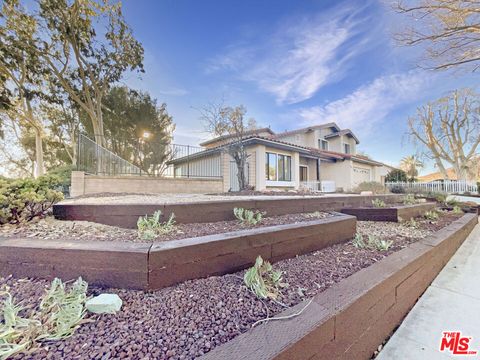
{"points": [[321, 157], [439, 176]]}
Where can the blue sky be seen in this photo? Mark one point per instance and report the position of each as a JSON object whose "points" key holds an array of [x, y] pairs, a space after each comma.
{"points": [[291, 63]]}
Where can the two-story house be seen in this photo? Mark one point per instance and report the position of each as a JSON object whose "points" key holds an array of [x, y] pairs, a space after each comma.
{"points": [[322, 157]]}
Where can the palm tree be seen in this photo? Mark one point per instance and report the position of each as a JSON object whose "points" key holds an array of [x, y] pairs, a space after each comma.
{"points": [[411, 164]]}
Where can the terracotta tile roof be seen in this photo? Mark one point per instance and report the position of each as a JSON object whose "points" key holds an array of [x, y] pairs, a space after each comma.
{"points": [[246, 133], [305, 129]]}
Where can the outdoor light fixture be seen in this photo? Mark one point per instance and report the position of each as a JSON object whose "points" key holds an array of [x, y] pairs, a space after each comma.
{"points": [[146, 135]]}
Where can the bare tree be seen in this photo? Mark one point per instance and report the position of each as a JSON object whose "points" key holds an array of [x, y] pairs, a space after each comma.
{"points": [[221, 120], [449, 130], [449, 30]]}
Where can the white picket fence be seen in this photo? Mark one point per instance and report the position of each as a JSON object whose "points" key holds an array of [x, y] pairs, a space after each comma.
{"points": [[445, 186]]}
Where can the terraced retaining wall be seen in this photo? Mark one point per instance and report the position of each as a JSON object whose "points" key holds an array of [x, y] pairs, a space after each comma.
{"points": [[124, 215], [350, 319], [154, 266], [395, 214]]}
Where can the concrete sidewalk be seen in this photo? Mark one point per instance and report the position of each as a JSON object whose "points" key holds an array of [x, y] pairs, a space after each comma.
{"points": [[451, 303]]}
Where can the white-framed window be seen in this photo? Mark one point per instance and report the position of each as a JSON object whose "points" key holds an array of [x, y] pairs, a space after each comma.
{"points": [[323, 144], [278, 167], [346, 148]]}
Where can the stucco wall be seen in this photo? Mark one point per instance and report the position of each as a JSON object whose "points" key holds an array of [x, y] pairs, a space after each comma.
{"points": [[340, 172], [87, 184]]}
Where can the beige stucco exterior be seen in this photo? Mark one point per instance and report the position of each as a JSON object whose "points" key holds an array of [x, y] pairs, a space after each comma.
{"points": [[90, 184], [338, 165]]}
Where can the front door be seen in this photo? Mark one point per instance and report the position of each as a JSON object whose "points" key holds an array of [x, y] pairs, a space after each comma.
{"points": [[303, 173]]}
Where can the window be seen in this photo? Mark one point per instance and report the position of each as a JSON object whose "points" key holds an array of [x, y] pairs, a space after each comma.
{"points": [[323, 144], [278, 167], [346, 148]]}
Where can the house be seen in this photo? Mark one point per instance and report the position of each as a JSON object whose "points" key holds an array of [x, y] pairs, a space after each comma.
{"points": [[322, 157]]}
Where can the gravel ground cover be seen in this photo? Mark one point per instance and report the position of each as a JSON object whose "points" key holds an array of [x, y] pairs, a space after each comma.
{"points": [[191, 318], [125, 198], [53, 229]]}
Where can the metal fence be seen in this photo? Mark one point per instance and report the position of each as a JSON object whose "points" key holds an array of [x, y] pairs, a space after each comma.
{"points": [[446, 186], [179, 162], [95, 159]]}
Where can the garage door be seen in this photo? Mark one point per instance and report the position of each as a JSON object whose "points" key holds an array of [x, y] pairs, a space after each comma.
{"points": [[360, 175]]}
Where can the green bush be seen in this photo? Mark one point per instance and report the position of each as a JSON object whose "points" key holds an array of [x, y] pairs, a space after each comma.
{"points": [[373, 186], [397, 189], [24, 199], [396, 175]]}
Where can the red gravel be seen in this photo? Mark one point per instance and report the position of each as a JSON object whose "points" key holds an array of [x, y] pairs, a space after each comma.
{"points": [[87, 231], [189, 319]]}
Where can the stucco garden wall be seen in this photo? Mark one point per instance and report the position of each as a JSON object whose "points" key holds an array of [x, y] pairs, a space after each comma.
{"points": [[89, 184]]}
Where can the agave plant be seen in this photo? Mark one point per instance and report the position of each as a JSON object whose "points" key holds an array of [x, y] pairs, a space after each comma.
{"points": [[59, 314], [263, 281]]}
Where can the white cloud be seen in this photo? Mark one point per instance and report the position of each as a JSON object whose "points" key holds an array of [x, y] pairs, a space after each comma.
{"points": [[302, 56], [370, 103]]}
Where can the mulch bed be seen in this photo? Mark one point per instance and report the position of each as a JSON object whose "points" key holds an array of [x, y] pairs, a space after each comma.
{"points": [[190, 319], [88, 231]]}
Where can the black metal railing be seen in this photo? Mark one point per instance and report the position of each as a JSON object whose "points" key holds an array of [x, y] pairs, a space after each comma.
{"points": [[180, 161]]}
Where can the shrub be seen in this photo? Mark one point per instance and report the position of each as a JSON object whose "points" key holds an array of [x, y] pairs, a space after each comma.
{"points": [[431, 215], [249, 217], [412, 223], [57, 317], [24, 199], [378, 203], [397, 189], [373, 186], [263, 281], [396, 175], [372, 243], [61, 178], [150, 227], [409, 200], [457, 210], [452, 202]]}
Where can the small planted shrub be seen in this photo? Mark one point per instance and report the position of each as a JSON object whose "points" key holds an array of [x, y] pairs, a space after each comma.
{"points": [[58, 315], [358, 241], [397, 189], [457, 210], [431, 215], [452, 202], [412, 223], [378, 203], [372, 243], [440, 198], [249, 217], [150, 227], [263, 280], [409, 200]]}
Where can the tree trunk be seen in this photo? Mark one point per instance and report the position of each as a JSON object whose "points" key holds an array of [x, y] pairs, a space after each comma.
{"points": [[242, 182], [39, 166]]}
